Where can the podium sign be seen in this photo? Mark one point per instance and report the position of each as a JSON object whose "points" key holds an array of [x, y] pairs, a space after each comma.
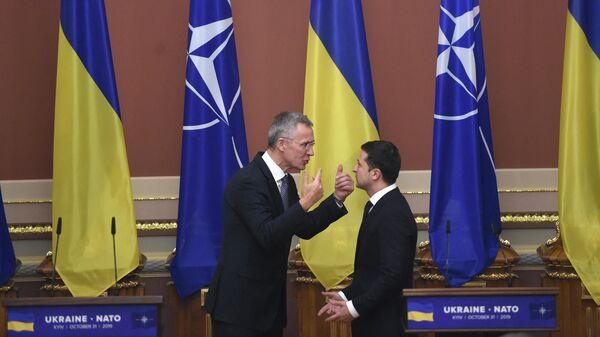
{"points": [[481, 309], [91, 317]]}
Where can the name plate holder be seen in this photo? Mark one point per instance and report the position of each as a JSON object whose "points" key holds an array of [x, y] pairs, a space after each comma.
{"points": [[115, 316], [480, 309]]}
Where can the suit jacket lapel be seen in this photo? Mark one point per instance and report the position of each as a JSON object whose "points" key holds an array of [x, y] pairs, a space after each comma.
{"points": [[273, 189], [369, 219]]}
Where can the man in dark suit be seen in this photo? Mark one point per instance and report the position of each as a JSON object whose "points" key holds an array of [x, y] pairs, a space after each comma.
{"points": [[262, 211], [385, 250]]}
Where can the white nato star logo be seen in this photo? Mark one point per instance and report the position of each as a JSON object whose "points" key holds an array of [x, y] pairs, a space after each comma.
{"points": [[464, 24], [205, 66], [542, 310]]}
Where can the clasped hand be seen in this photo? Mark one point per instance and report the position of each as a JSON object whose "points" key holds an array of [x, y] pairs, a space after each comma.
{"points": [[335, 308]]}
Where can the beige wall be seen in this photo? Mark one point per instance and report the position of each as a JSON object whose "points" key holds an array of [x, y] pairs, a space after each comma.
{"points": [[523, 43]]}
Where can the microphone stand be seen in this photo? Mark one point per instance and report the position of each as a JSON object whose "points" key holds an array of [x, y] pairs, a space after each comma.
{"points": [[55, 255], [113, 231], [447, 249]]}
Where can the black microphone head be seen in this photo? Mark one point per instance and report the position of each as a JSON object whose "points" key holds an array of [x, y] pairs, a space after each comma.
{"points": [[59, 226], [447, 226], [113, 226]]}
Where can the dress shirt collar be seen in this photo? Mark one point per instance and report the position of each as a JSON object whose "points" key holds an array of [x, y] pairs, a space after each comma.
{"points": [[379, 194], [276, 171]]}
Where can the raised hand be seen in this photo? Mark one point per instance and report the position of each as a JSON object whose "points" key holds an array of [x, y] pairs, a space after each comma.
{"points": [[344, 185], [311, 191]]}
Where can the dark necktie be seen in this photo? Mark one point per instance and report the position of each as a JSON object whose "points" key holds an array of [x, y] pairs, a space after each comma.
{"points": [[284, 191], [368, 206]]}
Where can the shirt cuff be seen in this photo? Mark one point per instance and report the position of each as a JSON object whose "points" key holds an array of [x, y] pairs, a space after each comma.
{"points": [[352, 310], [339, 203], [349, 305]]}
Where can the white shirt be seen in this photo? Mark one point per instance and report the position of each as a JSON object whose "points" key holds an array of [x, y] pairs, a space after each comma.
{"points": [[276, 171], [373, 199]]}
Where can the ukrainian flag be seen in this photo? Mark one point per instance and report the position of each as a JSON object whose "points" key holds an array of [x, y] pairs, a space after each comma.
{"points": [[579, 157], [420, 312], [19, 322], [91, 174], [339, 99]]}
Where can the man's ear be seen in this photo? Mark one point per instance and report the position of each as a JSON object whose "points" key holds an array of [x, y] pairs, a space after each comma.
{"points": [[375, 174], [280, 144]]}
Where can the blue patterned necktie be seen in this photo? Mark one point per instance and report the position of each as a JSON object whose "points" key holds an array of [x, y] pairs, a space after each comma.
{"points": [[284, 191]]}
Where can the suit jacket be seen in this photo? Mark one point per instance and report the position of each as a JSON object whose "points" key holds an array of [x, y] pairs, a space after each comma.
{"points": [[383, 266], [249, 285]]}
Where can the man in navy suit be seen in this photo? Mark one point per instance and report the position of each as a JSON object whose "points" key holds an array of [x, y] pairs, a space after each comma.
{"points": [[385, 250], [262, 211]]}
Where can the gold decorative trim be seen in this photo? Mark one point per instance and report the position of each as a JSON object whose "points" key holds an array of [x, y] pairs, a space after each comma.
{"points": [[562, 275], [484, 277], [310, 280], [536, 218], [555, 239], [62, 287], [514, 218], [6, 289], [156, 199], [496, 276], [423, 244], [47, 229], [528, 190], [432, 277], [504, 242], [49, 201], [172, 225], [515, 190], [422, 220]]}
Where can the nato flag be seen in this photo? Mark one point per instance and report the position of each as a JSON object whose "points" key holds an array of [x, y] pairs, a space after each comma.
{"points": [[8, 262], [464, 212], [214, 142]]}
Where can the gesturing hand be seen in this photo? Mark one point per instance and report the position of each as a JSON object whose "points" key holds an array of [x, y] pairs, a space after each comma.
{"points": [[344, 185], [311, 191]]}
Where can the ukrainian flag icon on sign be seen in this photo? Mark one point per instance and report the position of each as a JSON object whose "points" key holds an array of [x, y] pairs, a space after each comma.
{"points": [[19, 324], [420, 312]]}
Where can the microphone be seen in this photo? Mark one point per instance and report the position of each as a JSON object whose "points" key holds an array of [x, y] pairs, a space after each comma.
{"points": [[496, 232], [113, 232], [447, 247], [55, 255]]}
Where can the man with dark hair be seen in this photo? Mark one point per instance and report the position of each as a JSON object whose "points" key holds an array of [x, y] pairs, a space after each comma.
{"points": [[385, 249], [262, 211]]}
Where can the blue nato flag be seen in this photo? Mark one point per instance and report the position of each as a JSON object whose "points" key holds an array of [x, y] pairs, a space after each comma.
{"points": [[214, 142], [8, 261], [464, 214]]}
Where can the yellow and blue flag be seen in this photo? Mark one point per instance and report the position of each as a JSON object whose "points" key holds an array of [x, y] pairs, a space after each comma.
{"points": [[214, 142], [464, 214], [420, 312], [20, 324], [91, 181], [579, 157], [8, 261], [339, 99]]}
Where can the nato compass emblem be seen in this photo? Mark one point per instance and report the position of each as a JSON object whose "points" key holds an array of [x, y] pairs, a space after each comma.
{"points": [[212, 78], [457, 41]]}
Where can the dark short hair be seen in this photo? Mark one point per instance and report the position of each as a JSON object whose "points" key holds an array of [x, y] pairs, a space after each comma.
{"points": [[383, 155], [284, 125]]}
